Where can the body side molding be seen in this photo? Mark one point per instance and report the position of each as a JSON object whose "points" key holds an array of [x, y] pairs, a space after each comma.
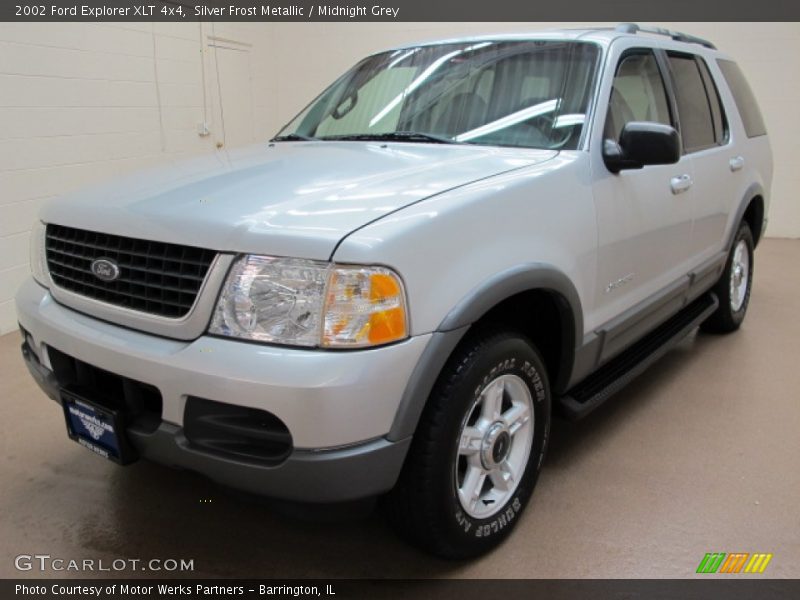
{"points": [[615, 336]]}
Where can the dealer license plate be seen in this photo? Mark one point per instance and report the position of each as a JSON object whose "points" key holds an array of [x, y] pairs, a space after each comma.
{"points": [[97, 428]]}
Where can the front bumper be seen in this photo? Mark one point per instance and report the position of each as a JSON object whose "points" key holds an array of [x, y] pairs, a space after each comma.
{"points": [[338, 406]]}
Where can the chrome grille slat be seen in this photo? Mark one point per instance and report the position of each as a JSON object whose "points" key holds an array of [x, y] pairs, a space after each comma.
{"points": [[155, 277]]}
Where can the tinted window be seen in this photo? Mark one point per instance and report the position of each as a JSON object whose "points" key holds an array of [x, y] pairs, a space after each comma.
{"points": [[637, 94], [694, 109], [717, 110], [744, 98]]}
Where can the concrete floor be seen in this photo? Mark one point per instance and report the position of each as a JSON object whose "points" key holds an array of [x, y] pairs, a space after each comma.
{"points": [[701, 454]]}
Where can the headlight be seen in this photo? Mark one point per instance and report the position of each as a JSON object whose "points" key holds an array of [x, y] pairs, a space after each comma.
{"points": [[38, 258], [311, 303], [272, 300]]}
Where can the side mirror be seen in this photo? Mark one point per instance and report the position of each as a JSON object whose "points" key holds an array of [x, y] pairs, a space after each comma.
{"points": [[642, 143]]}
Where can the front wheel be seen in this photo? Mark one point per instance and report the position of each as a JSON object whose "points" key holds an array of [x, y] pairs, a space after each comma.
{"points": [[478, 448], [733, 287]]}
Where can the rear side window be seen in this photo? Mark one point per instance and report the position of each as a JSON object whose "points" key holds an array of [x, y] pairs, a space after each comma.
{"points": [[744, 98], [694, 106], [717, 110]]}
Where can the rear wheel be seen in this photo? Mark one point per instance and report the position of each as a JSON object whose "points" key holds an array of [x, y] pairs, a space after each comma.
{"points": [[733, 287], [478, 448]]}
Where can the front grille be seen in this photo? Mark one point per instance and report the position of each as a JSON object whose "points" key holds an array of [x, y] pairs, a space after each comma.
{"points": [[154, 277]]}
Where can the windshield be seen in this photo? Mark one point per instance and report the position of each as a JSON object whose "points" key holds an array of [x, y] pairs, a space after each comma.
{"points": [[531, 94]]}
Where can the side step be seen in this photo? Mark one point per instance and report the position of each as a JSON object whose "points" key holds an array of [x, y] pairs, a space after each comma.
{"points": [[632, 362]]}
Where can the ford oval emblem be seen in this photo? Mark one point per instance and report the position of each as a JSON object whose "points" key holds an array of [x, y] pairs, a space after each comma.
{"points": [[105, 269]]}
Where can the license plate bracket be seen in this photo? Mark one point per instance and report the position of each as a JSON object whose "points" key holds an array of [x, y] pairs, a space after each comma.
{"points": [[96, 427]]}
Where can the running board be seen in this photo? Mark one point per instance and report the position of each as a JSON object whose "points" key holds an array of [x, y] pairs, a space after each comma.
{"points": [[632, 362]]}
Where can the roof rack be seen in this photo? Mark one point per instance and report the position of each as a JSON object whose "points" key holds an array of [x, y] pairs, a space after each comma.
{"points": [[675, 35]]}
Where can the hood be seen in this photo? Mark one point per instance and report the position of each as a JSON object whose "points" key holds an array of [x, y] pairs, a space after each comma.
{"points": [[286, 199]]}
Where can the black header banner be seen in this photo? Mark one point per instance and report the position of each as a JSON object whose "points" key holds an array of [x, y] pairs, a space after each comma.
{"points": [[398, 10]]}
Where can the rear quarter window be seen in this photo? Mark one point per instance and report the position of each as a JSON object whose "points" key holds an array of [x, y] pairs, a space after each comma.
{"points": [[744, 98]]}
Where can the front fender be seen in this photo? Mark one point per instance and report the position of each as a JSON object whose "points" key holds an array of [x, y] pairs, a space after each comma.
{"points": [[479, 301], [504, 285]]}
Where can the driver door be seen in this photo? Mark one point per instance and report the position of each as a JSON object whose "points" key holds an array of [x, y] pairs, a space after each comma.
{"points": [[644, 216]]}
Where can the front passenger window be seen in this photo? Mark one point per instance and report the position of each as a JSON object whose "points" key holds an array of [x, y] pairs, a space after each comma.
{"points": [[638, 94]]}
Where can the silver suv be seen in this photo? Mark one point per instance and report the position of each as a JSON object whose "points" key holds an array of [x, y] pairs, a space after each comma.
{"points": [[392, 296]]}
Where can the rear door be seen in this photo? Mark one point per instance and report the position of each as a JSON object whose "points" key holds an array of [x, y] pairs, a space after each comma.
{"points": [[716, 165]]}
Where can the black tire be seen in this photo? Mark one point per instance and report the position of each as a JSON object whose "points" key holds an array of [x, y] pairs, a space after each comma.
{"points": [[424, 507], [727, 318]]}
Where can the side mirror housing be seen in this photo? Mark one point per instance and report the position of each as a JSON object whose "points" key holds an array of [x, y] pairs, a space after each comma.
{"points": [[642, 143]]}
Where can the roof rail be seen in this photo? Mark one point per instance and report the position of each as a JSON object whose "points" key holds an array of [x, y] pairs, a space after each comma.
{"points": [[675, 35]]}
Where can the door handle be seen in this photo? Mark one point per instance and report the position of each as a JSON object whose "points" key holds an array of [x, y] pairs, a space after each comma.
{"points": [[736, 163], [680, 184]]}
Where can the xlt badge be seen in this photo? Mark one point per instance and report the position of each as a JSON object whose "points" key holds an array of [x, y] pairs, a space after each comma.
{"points": [[619, 282]]}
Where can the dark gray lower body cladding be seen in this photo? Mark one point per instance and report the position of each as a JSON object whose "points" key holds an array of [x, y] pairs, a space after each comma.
{"points": [[625, 367]]}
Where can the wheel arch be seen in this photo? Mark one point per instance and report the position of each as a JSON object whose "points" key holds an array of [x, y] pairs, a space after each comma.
{"points": [[750, 210], [537, 299], [754, 216]]}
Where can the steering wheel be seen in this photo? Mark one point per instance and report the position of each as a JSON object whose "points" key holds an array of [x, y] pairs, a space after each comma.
{"points": [[545, 126]]}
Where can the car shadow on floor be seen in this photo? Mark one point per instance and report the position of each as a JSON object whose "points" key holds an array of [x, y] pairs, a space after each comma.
{"points": [[571, 442]]}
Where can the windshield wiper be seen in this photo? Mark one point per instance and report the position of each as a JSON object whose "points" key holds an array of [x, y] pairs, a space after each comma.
{"points": [[394, 136], [294, 137]]}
